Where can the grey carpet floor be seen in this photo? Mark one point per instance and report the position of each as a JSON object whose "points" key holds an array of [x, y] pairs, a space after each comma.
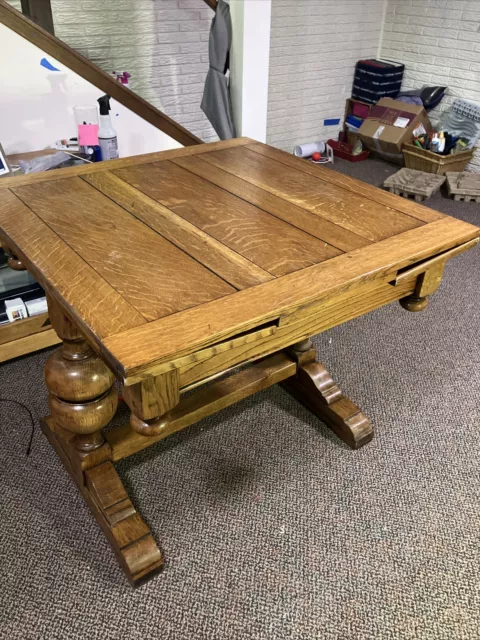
{"points": [[272, 528]]}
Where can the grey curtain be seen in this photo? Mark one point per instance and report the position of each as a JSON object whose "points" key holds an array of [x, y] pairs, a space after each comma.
{"points": [[216, 96]]}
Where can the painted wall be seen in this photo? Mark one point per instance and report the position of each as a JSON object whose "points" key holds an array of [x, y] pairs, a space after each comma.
{"points": [[313, 50], [36, 104], [162, 43], [439, 42], [249, 66]]}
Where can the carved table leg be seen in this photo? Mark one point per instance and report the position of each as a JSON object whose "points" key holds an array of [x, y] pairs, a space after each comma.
{"points": [[315, 389], [83, 400], [427, 283], [151, 400]]}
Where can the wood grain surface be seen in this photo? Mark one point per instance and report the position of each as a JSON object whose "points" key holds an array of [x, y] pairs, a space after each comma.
{"points": [[210, 399], [221, 246], [22, 346], [302, 219], [353, 212], [154, 276], [210, 265], [198, 327], [260, 237], [63, 272], [230, 265], [348, 183]]}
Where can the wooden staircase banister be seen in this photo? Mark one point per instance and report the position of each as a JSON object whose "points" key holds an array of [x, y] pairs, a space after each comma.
{"points": [[54, 47]]}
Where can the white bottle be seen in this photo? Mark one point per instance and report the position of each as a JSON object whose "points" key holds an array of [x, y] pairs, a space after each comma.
{"points": [[107, 136]]}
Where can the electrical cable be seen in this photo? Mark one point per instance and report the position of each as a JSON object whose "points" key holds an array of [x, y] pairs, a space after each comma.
{"points": [[32, 420]]}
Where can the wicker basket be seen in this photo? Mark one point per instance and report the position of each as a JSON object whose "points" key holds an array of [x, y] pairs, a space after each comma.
{"points": [[423, 160]]}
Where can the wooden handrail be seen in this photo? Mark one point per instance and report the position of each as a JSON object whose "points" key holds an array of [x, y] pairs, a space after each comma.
{"points": [[15, 21]]}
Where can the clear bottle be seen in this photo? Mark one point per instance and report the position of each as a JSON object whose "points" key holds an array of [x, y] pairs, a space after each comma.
{"points": [[107, 136]]}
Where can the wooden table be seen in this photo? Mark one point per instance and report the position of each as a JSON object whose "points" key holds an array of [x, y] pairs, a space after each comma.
{"points": [[168, 270]]}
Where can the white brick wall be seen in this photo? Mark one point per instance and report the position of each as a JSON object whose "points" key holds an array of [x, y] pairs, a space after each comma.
{"points": [[439, 42], [162, 43], [313, 50]]}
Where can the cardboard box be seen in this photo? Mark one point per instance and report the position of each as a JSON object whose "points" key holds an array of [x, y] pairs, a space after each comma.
{"points": [[390, 124]]}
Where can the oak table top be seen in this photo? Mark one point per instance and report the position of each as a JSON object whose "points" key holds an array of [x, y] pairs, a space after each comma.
{"points": [[213, 263], [159, 255]]}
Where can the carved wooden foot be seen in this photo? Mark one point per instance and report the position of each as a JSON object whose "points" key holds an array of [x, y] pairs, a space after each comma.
{"points": [[100, 485], [414, 303], [314, 388], [82, 401]]}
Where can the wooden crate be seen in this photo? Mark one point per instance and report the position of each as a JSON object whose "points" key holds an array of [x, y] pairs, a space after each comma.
{"points": [[409, 182], [430, 162], [464, 186]]}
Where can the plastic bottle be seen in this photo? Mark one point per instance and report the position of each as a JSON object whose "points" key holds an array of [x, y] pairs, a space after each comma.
{"points": [[441, 142], [107, 136]]}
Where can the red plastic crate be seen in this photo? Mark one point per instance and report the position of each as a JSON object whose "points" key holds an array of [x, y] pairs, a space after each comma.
{"points": [[344, 150]]}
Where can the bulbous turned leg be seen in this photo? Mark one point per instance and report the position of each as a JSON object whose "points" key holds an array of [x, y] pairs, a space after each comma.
{"points": [[82, 398], [314, 388], [82, 401]]}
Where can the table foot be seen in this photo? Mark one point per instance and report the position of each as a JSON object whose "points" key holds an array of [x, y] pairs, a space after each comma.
{"points": [[100, 485], [314, 388]]}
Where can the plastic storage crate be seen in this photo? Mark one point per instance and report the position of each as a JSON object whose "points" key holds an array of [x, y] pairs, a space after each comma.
{"points": [[375, 79]]}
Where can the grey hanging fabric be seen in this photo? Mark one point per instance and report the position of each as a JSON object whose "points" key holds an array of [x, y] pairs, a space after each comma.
{"points": [[216, 96]]}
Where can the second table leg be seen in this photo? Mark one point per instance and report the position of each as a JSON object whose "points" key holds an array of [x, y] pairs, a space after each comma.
{"points": [[314, 387]]}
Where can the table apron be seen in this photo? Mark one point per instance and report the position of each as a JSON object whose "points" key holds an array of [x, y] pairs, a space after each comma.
{"points": [[329, 313]]}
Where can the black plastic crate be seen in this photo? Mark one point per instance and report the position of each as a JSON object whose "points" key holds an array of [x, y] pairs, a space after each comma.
{"points": [[375, 79]]}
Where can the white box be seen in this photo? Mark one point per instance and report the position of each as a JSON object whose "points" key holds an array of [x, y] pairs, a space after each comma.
{"points": [[16, 310], [37, 306]]}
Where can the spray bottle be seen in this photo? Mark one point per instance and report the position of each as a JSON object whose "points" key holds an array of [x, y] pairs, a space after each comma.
{"points": [[107, 136]]}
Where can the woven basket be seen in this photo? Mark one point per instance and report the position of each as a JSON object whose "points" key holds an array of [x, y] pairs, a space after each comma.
{"points": [[423, 160]]}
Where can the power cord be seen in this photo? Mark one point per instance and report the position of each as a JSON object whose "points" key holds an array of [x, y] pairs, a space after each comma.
{"points": [[32, 420]]}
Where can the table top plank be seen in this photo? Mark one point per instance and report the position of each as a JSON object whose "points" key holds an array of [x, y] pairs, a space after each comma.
{"points": [[62, 272], [154, 276], [268, 242], [202, 326], [409, 207], [353, 212], [229, 265], [317, 226]]}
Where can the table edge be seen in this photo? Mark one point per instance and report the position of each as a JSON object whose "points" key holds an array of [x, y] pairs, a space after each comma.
{"points": [[451, 232]]}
